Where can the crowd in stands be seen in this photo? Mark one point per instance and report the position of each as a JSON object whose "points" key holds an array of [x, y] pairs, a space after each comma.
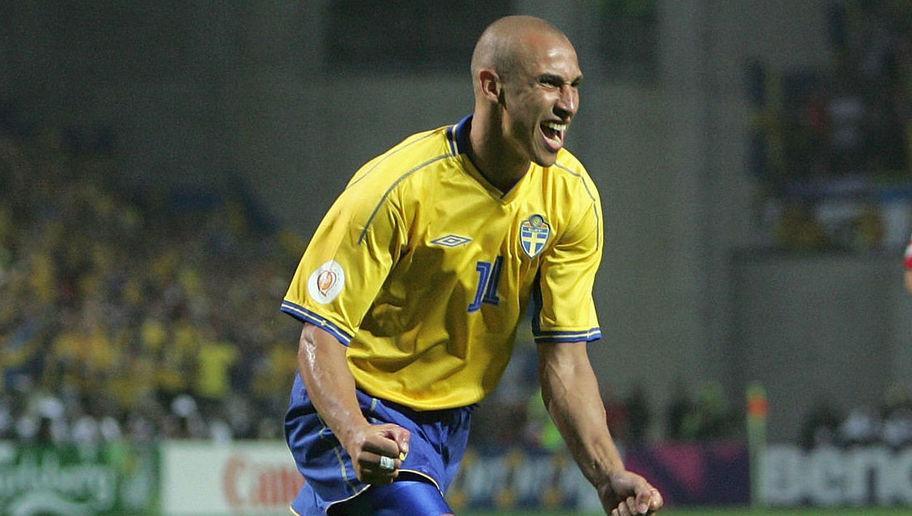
{"points": [[853, 117], [890, 424], [634, 419], [842, 132], [139, 313]]}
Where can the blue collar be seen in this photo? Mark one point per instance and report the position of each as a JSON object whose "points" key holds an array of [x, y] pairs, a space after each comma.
{"points": [[458, 136]]}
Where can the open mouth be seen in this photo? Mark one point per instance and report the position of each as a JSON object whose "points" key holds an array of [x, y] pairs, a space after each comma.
{"points": [[554, 135]]}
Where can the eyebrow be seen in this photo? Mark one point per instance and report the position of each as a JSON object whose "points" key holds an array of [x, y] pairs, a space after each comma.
{"points": [[554, 78]]}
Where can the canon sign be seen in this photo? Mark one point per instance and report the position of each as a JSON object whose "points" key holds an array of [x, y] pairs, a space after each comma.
{"points": [[248, 484], [252, 477]]}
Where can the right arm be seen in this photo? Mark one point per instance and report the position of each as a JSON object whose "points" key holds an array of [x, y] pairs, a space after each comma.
{"points": [[331, 387]]}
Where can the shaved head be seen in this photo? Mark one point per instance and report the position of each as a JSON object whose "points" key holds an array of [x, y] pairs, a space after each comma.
{"points": [[501, 45], [525, 76]]}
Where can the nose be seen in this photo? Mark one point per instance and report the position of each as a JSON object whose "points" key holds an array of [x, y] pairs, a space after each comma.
{"points": [[568, 102]]}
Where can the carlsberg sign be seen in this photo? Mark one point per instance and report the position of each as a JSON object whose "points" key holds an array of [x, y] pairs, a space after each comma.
{"points": [[828, 476], [111, 479]]}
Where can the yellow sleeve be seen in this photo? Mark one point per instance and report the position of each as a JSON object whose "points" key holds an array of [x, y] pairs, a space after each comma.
{"points": [[562, 295], [346, 262]]}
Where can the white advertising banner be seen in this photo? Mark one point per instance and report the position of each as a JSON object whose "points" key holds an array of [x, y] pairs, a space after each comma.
{"points": [[827, 476], [199, 477]]}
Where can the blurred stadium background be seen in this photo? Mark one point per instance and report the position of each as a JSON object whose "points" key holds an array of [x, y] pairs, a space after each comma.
{"points": [[162, 165]]}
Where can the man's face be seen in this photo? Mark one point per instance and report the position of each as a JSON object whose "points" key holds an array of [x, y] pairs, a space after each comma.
{"points": [[540, 97]]}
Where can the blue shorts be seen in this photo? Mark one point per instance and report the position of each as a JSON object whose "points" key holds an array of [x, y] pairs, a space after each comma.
{"points": [[438, 441]]}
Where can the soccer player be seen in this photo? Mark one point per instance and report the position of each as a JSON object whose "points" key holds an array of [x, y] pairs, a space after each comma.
{"points": [[907, 267], [413, 286]]}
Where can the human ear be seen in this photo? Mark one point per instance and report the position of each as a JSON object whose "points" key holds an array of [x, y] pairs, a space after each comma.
{"points": [[490, 85]]}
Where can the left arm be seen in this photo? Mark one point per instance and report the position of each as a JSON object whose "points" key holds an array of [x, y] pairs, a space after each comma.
{"points": [[571, 395]]}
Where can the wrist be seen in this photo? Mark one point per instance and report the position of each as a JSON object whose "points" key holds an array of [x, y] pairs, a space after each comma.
{"points": [[352, 432], [608, 477], [600, 462], [605, 474]]}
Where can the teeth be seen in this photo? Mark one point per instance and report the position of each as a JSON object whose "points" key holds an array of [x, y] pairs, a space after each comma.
{"points": [[556, 126]]}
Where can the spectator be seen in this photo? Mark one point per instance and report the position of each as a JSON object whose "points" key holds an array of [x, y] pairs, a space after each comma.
{"points": [[821, 426], [897, 418], [907, 267], [638, 415], [861, 427], [678, 410]]}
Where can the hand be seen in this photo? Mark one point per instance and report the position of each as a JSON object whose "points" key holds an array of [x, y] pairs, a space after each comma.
{"points": [[627, 494], [367, 444]]}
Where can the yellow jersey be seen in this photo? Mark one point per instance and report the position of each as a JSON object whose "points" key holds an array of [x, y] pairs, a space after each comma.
{"points": [[425, 270]]}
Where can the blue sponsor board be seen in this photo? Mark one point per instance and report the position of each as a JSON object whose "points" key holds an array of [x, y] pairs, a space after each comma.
{"points": [[530, 479], [520, 479]]}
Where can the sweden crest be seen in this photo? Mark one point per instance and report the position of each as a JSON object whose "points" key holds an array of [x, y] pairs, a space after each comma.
{"points": [[533, 235]]}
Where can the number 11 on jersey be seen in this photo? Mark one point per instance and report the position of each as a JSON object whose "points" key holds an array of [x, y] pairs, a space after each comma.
{"points": [[488, 278]]}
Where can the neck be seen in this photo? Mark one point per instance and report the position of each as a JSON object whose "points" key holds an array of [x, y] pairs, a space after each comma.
{"points": [[495, 160]]}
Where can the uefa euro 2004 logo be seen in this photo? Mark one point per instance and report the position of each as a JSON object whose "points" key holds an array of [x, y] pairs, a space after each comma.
{"points": [[325, 283]]}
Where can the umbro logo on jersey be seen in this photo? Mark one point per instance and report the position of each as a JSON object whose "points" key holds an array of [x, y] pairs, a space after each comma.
{"points": [[451, 241]]}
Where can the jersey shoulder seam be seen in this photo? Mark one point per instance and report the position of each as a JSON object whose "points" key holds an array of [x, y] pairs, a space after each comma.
{"points": [[393, 186]]}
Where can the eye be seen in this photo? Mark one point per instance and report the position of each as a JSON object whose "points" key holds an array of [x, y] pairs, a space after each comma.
{"points": [[550, 81]]}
